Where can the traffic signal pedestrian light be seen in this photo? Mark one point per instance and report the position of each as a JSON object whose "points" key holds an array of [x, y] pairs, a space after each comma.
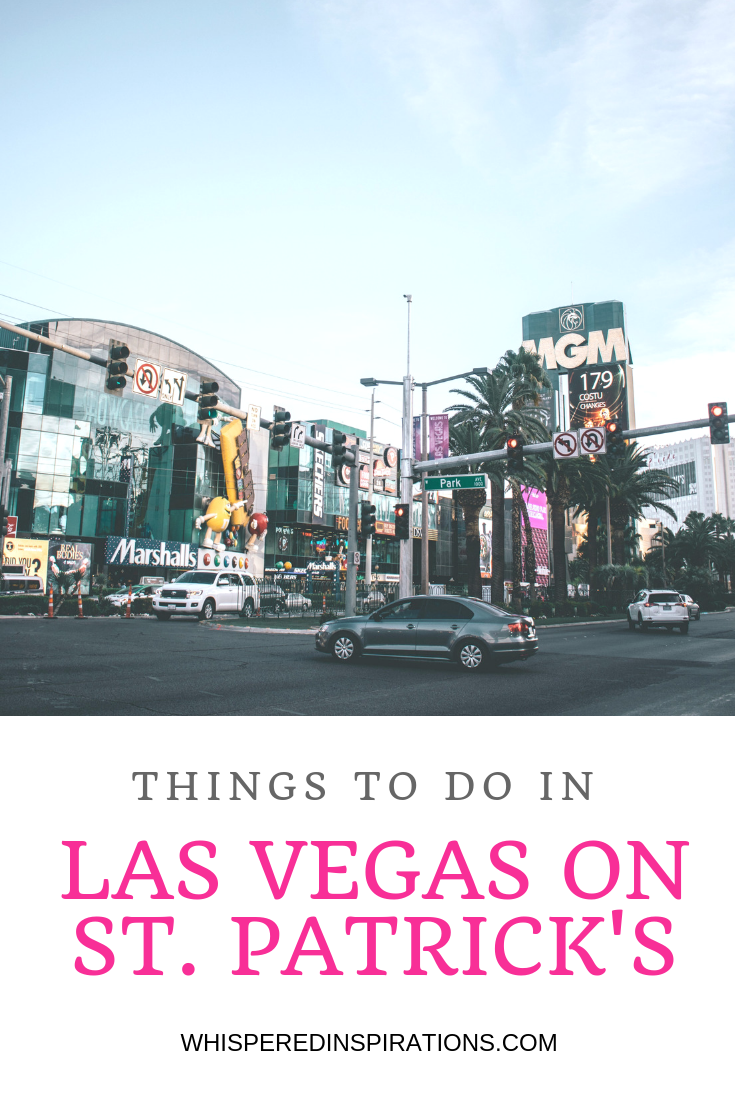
{"points": [[339, 448], [719, 429], [403, 521], [367, 519], [117, 367], [614, 441], [207, 401], [514, 454], [281, 431]]}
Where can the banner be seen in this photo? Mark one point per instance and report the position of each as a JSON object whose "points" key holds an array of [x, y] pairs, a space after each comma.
{"points": [[438, 436]]}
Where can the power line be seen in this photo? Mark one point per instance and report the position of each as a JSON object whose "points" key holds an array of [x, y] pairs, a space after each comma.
{"points": [[193, 329]]}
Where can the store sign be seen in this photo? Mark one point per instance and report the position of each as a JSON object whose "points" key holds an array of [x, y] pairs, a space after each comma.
{"points": [[572, 350], [317, 489], [139, 552], [12, 527], [385, 528]]}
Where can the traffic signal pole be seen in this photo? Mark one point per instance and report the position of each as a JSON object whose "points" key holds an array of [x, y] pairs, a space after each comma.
{"points": [[351, 582], [4, 467]]}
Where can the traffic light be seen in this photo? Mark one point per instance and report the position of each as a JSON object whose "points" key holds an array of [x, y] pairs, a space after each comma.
{"points": [[614, 441], [117, 367], [367, 519], [514, 454], [719, 429], [403, 521], [207, 401], [339, 448], [4, 520], [281, 431]]}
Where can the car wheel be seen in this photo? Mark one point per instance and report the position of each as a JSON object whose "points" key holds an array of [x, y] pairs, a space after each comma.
{"points": [[248, 609], [163, 615], [208, 610], [470, 656], [697, 617], [641, 625], [684, 628], [631, 623], [345, 647]]}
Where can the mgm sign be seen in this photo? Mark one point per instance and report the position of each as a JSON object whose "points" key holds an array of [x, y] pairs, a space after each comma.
{"points": [[589, 343]]}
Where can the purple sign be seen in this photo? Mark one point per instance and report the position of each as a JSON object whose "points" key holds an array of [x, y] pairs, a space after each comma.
{"points": [[438, 436], [537, 507]]}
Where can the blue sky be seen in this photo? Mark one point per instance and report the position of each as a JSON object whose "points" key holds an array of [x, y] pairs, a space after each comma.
{"points": [[264, 181]]}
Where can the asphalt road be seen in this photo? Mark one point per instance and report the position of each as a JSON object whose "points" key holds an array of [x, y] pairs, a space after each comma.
{"points": [[142, 667]]}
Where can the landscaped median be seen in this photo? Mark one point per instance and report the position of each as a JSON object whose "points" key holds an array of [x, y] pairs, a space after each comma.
{"points": [[27, 605]]}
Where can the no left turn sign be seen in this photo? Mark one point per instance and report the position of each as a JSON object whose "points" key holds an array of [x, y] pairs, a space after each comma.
{"points": [[592, 442], [565, 445], [147, 378]]}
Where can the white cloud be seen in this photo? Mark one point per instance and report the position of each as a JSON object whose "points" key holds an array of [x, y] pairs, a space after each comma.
{"points": [[631, 95]]}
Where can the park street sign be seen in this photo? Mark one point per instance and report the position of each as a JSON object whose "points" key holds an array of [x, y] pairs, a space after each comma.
{"points": [[457, 482]]}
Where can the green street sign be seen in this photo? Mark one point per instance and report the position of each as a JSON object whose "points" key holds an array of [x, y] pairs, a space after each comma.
{"points": [[457, 482]]}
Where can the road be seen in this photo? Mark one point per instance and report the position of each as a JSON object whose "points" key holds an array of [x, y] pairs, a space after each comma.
{"points": [[116, 667]]}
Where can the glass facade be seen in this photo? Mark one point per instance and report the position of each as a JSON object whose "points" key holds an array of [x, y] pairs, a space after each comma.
{"points": [[90, 464]]}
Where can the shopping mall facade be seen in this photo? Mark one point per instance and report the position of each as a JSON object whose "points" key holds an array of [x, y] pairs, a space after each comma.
{"points": [[111, 476]]}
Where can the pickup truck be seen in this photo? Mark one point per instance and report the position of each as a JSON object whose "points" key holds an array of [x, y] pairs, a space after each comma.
{"points": [[202, 593]]}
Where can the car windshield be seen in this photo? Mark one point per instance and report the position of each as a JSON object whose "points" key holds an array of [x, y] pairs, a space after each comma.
{"points": [[663, 599], [202, 577]]}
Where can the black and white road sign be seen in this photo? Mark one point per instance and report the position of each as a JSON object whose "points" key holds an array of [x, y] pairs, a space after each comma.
{"points": [[592, 441], [356, 558], [565, 445], [147, 378], [298, 435], [173, 386]]}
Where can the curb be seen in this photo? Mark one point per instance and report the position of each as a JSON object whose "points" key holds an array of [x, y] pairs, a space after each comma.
{"points": [[263, 631]]}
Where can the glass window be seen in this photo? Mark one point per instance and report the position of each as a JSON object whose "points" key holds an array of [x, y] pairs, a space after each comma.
{"points": [[203, 577], [47, 445], [29, 442], [663, 599], [63, 446], [35, 391], [404, 610], [447, 610]]}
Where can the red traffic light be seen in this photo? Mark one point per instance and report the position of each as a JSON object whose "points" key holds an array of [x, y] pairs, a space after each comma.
{"points": [[716, 411], [399, 510], [611, 426], [513, 442]]}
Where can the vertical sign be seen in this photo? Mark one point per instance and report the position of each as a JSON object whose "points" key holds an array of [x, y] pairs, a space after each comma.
{"points": [[317, 491], [438, 436]]}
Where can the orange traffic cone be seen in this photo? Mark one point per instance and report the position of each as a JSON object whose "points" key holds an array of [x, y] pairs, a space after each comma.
{"points": [[80, 614], [130, 597], [50, 604]]}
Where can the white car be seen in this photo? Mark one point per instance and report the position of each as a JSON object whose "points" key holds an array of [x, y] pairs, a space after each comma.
{"points": [[658, 608], [203, 592], [120, 598], [298, 600]]}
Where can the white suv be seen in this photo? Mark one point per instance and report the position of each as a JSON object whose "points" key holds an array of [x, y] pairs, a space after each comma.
{"points": [[203, 592], [658, 608]]}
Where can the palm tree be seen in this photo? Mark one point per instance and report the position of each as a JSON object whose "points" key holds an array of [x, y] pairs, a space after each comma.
{"points": [[570, 483], [633, 485], [697, 540], [465, 439], [497, 407]]}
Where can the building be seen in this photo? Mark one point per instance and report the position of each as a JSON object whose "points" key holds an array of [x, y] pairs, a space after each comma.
{"points": [[724, 464], [586, 351], [89, 464], [689, 462]]}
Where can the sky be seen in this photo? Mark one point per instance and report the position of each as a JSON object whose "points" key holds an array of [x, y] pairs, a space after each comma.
{"points": [[264, 181]]}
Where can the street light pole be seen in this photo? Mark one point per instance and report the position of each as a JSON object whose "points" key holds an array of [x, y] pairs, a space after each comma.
{"points": [[424, 495], [405, 575], [369, 540]]}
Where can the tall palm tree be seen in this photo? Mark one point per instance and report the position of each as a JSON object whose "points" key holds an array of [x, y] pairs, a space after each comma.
{"points": [[697, 541], [465, 438], [633, 485], [570, 483], [498, 407]]}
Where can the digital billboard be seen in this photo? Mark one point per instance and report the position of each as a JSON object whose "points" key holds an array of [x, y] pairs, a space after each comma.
{"points": [[587, 341]]}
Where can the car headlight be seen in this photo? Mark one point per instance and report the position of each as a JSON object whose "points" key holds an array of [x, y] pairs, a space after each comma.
{"points": [[194, 592]]}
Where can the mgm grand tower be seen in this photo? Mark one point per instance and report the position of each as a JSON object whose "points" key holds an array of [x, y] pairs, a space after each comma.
{"points": [[586, 352]]}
